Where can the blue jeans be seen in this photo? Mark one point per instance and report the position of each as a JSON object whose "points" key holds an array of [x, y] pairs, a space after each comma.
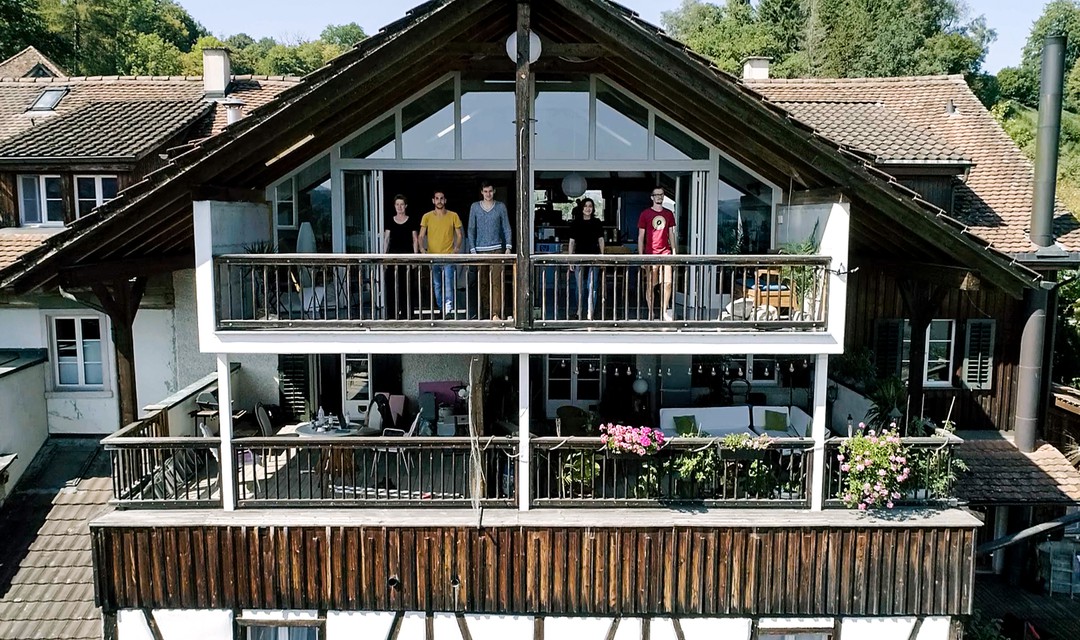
{"points": [[589, 277], [442, 278]]}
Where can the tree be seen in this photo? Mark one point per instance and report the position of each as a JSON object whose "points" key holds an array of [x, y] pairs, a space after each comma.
{"points": [[726, 34], [150, 55], [342, 36], [192, 61], [21, 25]]}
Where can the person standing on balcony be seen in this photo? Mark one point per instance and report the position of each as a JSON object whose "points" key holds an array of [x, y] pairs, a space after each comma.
{"points": [[440, 233], [489, 232], [401, 236], [657, 237], [586, 236]]}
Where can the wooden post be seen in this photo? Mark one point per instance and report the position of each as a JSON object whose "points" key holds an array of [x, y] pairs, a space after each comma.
{"points": [[921, 301], [120, 299], [523, 110]]}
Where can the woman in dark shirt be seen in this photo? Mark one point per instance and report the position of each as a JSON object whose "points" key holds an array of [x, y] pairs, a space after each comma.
{"points": [[401, 236], [587, 236]]}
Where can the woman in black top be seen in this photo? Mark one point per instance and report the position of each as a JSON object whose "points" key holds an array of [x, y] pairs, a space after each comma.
{"points": [[401, 236], [587, 236]]}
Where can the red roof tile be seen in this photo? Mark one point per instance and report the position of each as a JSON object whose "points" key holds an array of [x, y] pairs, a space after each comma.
{"points": [[1002, 474], [15, 242], [996, 199]]}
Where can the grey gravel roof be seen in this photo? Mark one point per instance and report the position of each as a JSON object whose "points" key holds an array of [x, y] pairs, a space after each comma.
{"points": [[113, 130]]}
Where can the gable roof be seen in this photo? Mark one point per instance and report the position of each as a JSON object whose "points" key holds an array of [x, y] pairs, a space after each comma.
{"points": [[999, 473], [357, 86], [108, 131], [29, 63], [15, 241], [996, 198]]}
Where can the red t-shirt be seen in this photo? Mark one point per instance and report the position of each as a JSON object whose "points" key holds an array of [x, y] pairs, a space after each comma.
{"points": [[656, 225]]}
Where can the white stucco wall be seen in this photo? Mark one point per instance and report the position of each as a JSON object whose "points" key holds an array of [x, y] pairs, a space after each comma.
{"points": [[155, 356], [25, 427], [23, 329]]}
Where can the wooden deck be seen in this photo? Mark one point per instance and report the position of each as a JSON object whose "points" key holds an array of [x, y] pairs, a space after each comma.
{"points": [[1056, 616]]}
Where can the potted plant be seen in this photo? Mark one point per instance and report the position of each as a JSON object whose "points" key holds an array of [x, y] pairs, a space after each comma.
{"points": [[754, 475], [875, 466], [639, 441], [579, 472]]}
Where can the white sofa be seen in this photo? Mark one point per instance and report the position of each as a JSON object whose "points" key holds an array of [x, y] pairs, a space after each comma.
{"points": [[711, 421], [797, 422]]}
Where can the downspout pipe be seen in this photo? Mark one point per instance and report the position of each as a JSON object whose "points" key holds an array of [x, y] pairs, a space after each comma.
{"points": [[1051, 86]]}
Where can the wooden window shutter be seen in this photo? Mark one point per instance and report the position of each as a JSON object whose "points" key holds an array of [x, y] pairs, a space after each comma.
{"points": [[888, 347], [978, 369]]}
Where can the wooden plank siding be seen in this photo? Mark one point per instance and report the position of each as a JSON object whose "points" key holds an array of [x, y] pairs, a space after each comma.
{"points": [[686, 571], [873, 295]]}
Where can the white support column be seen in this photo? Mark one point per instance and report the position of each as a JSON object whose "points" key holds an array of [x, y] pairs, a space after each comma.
{"points": [[524, 486], [226, 457], [817, 472]]}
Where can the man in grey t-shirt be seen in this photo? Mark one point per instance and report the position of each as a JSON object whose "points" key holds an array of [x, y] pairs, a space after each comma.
{"points": [[489, 232]]}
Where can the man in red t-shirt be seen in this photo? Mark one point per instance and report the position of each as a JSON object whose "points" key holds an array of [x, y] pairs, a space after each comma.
{"points": [[656, 236]]}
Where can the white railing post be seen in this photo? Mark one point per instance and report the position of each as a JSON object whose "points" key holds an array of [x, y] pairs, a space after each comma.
{"points": [[226, 458], [524, 486], [817, 473]]}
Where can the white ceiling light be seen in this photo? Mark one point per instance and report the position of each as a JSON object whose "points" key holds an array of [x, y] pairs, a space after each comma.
{"points": [[574, 185], [534, 47]]}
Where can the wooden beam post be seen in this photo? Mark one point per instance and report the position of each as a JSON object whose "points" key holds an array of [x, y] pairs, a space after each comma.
{"points": [[523, 286], [921, 301], [121, 299]]}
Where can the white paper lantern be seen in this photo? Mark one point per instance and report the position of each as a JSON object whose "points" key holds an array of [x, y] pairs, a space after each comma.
{"points": [[640, 386], [574, 185], [534, 47]]}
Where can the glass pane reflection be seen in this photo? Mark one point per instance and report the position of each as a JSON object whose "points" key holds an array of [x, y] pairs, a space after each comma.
{"points": [[622, 126], [562, 119], [427, 124], [487, 119]]}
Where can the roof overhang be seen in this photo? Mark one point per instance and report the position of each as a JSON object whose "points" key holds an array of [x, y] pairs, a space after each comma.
{"points": [[154, 216]]}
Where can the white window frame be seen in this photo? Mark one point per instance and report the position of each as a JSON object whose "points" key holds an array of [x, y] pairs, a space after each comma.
{"points": [[43, 209], [281, 621], [905, 352], [98, 192], [106, 346]]}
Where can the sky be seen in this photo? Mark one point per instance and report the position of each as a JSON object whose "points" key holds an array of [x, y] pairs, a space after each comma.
{"points": [[291, 21]]}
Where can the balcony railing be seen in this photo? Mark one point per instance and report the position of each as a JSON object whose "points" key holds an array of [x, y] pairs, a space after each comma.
{"points": [[933, 467], [410, 292]]}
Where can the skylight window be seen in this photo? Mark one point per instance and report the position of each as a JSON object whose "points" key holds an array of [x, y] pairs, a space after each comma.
{"points": [[48, 99]]}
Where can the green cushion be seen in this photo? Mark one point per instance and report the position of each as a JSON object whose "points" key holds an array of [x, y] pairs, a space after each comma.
{"points": [[686, 425], [775, 421]]}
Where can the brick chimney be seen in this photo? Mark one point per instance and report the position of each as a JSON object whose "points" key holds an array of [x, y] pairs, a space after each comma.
{"points": [[217, 73]]}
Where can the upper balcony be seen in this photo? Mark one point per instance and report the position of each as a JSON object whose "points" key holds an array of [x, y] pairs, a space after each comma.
{"points": [[566, 292]]}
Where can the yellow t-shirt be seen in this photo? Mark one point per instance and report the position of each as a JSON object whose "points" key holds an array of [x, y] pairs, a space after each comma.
{"points": [[440, 230]]}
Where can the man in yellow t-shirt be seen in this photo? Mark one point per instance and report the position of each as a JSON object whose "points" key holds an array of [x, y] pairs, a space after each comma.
{"points": [[440, 232]]}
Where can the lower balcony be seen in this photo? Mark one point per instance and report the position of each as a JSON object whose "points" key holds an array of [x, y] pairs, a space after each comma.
{"points": [[566, 292]]}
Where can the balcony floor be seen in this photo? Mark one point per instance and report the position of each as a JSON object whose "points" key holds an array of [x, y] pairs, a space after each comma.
{"points": [[1054, 616]]}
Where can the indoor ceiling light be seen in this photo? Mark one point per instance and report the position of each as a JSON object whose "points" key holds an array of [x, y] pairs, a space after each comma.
{"points": [[574, 185]]}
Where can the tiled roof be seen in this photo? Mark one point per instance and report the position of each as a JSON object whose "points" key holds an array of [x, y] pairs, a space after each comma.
{"points": [[17, 94], [877, 129], [996, 199], [46, 564], [113, 130], [999, 473], [14, 242], [24, 62]]}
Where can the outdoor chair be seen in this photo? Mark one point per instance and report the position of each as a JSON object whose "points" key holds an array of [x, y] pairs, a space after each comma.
{"points": [[571, 421]]}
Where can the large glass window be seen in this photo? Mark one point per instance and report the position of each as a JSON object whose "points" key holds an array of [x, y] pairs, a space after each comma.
{"points": [[310, 205], [562, 119], [744, 212], [939, 353], [427, 124], [376, 142], [673, 143], [622, 126], [487, 119]]}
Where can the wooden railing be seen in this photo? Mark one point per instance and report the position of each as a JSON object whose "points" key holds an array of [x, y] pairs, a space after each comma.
{"points": [[151, 469], [580, 472], [933, 469], [411, 292], [390, 291]]}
